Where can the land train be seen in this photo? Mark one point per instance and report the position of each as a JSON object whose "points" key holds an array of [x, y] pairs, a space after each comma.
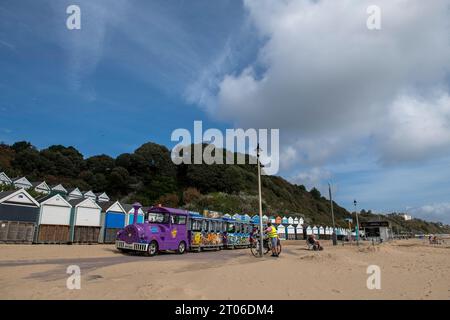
{"points": [[181, 231]]}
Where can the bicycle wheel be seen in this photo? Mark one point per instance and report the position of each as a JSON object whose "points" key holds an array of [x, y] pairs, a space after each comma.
{"points": [[254, 248], [267, 246]]}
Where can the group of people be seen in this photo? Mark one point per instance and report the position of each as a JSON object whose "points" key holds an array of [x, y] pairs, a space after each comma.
{"points": [[272, 234], [433, 240]]}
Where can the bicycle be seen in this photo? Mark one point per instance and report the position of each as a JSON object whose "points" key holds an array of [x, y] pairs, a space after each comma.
{"points": [[267, 245]]}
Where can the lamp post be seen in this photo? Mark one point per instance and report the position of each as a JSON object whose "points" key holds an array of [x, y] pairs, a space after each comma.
{"points": [[261, 232], [357, 224], [332, 216]]}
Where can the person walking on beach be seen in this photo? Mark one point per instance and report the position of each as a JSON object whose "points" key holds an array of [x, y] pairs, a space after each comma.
{"points": [[273, 238]]}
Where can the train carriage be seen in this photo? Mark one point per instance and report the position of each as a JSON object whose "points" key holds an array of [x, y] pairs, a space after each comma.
{"points": [[180, 230], [205, 233]]}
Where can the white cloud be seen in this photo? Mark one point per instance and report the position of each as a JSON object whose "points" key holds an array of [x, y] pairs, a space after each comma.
{"points": [[439, 212], [329, 79], [312, 178]]}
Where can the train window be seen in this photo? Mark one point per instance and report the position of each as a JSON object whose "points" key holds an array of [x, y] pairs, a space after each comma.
{"points": [[179, 219], [155, 217], [204, 225], [224, 227], [231, 228], [196, 225], [219, 226]]}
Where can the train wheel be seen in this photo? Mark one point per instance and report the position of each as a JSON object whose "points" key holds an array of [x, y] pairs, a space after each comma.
{"points": [[181, 247], [152, 248]]}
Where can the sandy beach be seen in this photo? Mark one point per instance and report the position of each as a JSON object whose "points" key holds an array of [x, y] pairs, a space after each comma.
{"points": [[410, 269]]}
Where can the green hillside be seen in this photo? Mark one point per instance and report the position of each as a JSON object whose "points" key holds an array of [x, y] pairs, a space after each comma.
{"points": [[148, 175]]}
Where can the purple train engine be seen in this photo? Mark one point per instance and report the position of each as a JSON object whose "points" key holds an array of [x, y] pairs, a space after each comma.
{"points": [[164, 229]]}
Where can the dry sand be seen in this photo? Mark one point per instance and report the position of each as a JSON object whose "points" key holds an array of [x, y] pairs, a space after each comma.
{"points": [[410, 269]]}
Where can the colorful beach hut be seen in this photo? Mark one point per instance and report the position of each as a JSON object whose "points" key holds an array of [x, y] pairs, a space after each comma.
{"points": [[113, 214], [130, 214], [272, 220], [284, 220], [265, 218], [54, 219], [19, 213]]}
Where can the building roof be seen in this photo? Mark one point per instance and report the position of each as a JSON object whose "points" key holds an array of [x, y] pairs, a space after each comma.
{"points": [[46, 197], [75, 202], [4, 194], [106, 205]]}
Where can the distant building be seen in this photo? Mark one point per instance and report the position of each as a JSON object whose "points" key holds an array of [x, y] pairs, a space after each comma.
{"points": [[377, 230], [406, 217]]}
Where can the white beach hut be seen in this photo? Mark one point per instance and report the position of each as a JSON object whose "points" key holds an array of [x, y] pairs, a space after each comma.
{"points": [[315, 230], [309, 230], [54, 219], [281, 231], [265, 218], [290, 232], [299, 232], [86, 220], [321, 230], [295, 220], [291, 220], [301, 221]]}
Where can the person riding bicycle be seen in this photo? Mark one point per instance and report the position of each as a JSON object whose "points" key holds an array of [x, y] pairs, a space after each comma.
{"points": [[271, 231]]}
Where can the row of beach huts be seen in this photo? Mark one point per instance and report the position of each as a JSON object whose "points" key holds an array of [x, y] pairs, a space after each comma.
{"points": [[60, 215], [292, 228]]}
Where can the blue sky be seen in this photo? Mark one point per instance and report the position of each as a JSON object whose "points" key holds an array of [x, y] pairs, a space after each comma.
{"points": [[367, 110]]}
